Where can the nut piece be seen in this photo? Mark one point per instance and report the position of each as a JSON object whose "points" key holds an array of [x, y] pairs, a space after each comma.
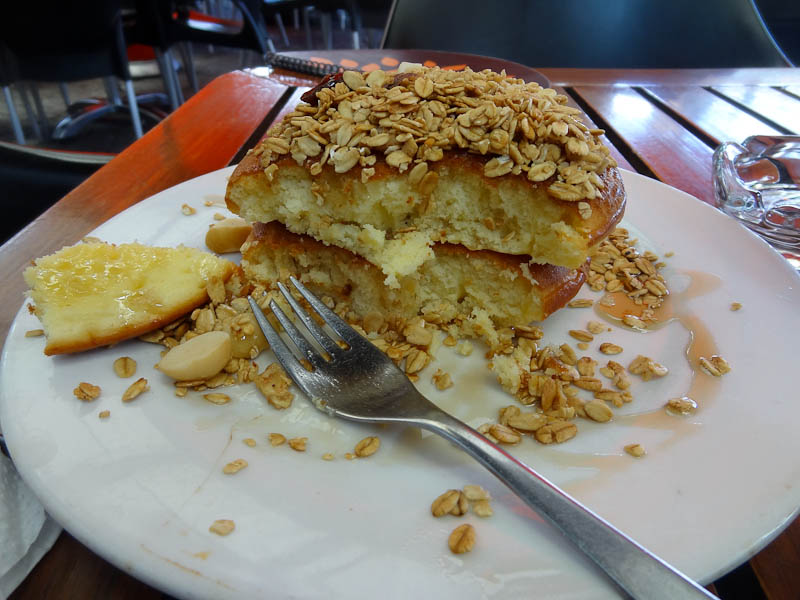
{"points": [[227, 235], [136, 388], [646, 368], [34, 333], [716, 365], [586, 366], [482, 508], [596, 327], [580, 335], [608, 348], [505, 435], [475, 492], [222, 526], [125, 366], [444, 504], [557, 431], [86, 391], [462, 506], [527, 422], [298, 444], [187, 210], [681, 406], [217, 398], [442, 380], [736, 306], [234, 466], [353, 79], [249, 442], [277, 439], [274, 384], [597, 410], [636, 450], [199, 358], [588, 383], [367, 447], [580, 303], [633, 322], [104, 414], [462, 539]]}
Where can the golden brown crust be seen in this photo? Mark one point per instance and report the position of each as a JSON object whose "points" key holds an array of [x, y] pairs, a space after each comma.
{"points": [[95, 294], [555, 285], [126, 333]]}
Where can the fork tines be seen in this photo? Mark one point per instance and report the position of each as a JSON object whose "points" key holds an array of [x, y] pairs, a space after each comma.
{"points": [[285, 356]]}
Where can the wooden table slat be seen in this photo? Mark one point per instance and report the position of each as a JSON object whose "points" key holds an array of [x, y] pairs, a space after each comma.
{"points": [[702, 77], [670, 151], [775, 105], [719, 120]]}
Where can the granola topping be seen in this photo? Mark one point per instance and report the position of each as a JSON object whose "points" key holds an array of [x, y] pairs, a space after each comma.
{"points": [[86, 392], [462, 539], [409, 119]]}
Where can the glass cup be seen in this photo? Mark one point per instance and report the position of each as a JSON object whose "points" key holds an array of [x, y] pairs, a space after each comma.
{"points": [[758, 183]]}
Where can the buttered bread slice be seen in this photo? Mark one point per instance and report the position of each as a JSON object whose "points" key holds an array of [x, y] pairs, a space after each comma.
{"points": [[94, 294], [387, 165], [472, 291]]}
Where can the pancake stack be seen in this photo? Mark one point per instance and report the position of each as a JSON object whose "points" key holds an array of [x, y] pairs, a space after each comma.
{"points": [[470, 198]]}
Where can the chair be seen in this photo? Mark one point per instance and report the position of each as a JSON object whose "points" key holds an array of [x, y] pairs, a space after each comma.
{"points": [[53, 41], [8, 76], [164, 24], [591, 33]]}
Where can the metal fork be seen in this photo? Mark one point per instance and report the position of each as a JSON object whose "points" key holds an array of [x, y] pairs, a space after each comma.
{"points": [[360, 383]]}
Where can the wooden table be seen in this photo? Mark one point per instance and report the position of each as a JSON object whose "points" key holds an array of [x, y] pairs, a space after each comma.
{"points": [[664, 124]]}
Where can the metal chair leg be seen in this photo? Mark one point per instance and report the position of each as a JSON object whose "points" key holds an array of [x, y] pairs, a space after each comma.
{"points": [[12, 113], [282, 29], [327, 30], [112, 92], [37, 132], [41, 115], [174, 74], [166, 75], [134, 108], [185, 48], [64, 93]]}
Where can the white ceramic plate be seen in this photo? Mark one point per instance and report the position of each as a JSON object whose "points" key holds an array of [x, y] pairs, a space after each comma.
{"points": [[142, 487]]}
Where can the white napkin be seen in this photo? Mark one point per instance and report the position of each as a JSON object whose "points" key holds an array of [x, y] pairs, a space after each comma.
{"points": [[26, 532]]}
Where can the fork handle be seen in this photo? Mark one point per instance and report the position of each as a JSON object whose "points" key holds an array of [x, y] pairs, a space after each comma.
{"points": [[637, 571]]}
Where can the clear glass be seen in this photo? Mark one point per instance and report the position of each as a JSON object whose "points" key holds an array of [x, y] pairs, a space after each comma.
{"points": [[758, 183]]}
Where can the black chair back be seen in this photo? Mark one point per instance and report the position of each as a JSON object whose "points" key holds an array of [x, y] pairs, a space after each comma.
{"points": [[590, 33], [63, 41]]}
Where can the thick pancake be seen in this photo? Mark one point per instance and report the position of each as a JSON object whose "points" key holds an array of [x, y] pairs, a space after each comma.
{"points": [[389, 165], [459, 287], [388, 221]]}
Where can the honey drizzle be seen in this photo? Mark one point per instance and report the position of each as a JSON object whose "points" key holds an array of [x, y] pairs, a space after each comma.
{"points": [[675, 308], [702, 388]]}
